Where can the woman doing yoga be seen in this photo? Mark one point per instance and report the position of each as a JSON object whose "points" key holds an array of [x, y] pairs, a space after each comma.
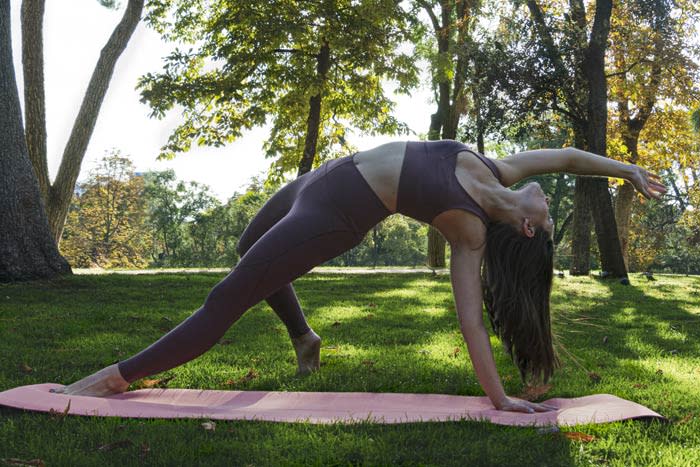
{"points": [[328, 211]]}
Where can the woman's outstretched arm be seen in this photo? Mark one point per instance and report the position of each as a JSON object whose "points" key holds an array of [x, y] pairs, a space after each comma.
{"points": [[576, 161], [465, 264]]}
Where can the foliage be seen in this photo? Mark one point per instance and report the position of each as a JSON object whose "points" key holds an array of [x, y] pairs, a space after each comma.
{"points": [[106, 223], [396, 241], [252, 63], [170, 204]]}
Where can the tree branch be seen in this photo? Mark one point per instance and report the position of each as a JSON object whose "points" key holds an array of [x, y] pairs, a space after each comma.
{"points": [[629, 68], [429, 9]]}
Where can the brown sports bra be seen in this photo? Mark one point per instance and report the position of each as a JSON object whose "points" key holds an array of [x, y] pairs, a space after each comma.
{"points": [[428, 185]]}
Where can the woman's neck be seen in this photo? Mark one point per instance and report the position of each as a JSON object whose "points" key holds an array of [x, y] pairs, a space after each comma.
{"points": [[502, 204]]}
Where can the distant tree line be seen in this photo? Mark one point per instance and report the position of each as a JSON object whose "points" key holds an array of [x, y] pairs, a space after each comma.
{"points": [[122, 219]]}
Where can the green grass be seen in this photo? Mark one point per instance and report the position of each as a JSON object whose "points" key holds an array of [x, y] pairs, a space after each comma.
{"points": [[382, 333]]}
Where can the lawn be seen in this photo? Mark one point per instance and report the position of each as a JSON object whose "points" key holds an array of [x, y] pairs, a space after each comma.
{"points": [[381, 333]]}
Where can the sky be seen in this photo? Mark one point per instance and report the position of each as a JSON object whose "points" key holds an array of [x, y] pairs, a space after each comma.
{"points": [[74, 33]]}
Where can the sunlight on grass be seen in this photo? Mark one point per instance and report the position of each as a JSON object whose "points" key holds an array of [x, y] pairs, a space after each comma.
{"points": [[381, 333]]}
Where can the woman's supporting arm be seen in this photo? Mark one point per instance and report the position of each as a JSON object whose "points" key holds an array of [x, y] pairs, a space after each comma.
{"points": [[576, 161], [465, 265], [466, 287]]}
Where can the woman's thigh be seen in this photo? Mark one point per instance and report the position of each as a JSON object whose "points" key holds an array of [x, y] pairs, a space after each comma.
{"points": [[272, 211]]}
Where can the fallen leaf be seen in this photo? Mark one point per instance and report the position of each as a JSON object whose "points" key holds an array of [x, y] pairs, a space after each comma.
{"points": [[252, 374], [455, 352], [209, 426], [56, 414], [639, 386], [125, 443], [161, 383], [25, 368], [369, 316], [335, 323], [371, 305], [531, 393], [580, 437], [595, 377], [13, 461], [605, 340], [368, 362]]}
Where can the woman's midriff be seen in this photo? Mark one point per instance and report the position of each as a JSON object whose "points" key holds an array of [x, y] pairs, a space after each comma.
{"points": [[381, 168]]}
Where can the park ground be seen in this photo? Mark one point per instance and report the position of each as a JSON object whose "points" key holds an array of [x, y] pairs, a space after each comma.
{"points": [[384, 332]]}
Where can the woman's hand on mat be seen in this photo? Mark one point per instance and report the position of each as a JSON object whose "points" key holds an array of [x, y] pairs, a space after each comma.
{"points": [[510, 404]]}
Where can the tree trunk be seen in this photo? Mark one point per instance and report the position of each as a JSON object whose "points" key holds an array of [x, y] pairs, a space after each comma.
{"points": [[611, 258], [436, 242], [32, 17], [581, 222], [313, 123], [60, 193], [581, 230], [480, 141], [436, 248], [27, 250], [623, 214]]}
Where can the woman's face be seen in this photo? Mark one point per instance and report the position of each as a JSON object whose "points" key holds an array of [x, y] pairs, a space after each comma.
{"points": [[537, 207]]}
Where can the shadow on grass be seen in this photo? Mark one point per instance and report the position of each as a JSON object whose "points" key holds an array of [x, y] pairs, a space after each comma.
{"points": [[63, 329], [381, 333]]}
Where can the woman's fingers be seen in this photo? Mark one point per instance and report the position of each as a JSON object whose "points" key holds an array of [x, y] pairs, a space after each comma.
{"points": [[516, 405], [544, 408]]}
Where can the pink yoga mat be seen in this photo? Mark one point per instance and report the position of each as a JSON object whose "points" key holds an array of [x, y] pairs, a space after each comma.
{"points": [[318, 407]]}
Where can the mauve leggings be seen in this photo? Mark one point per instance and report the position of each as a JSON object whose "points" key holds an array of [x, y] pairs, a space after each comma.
{"points": [[310, 220]]}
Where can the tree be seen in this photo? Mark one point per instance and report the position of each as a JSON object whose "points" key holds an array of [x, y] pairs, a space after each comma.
{"points": [[170, 204], [57, 195], [451, 24], [310, 68], [571, 77], [652, 52], [27, 250], [107, 221]]}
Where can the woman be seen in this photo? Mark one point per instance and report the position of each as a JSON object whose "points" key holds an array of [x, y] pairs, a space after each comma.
{"points": [[327, 211]]}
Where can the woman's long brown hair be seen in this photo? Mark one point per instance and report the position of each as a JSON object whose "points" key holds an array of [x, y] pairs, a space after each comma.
{"points": [[517, 281]]}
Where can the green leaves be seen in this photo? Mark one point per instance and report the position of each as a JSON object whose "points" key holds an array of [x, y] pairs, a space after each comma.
{"points": [[256, 62]]}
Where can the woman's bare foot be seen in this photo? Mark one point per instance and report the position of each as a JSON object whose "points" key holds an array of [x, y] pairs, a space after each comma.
{"points": [[105, 382], [308, 350]]}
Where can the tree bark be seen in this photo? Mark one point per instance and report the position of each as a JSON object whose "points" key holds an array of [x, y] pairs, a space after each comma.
{"points": [[27, 250], [611, 258], [623, 214], [313, 123], [60, 192], [581, 230], [443, 123], [32, 18]]}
